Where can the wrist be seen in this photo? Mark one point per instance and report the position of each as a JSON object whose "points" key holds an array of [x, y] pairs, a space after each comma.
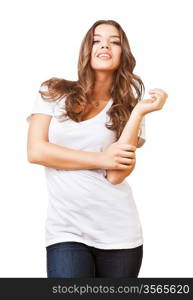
{"points": [[137, 113]]}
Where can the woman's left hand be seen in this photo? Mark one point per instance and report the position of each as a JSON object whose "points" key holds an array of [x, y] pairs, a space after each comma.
{"points": [[157, 101]]}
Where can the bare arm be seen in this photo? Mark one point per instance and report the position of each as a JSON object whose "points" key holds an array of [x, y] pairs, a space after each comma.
{"points": [[41, 151], [62, 158], [131, 129], [129, 136]]}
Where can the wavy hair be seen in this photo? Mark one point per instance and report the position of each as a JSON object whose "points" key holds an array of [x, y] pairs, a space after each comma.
{"points": [[126, 90]]}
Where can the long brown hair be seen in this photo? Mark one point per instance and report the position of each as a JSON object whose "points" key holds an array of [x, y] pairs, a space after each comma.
{"points": [[127, 88]]}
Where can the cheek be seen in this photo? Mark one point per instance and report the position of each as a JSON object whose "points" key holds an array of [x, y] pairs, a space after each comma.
{"points": [[117, 56], [92, 58], [93, 52]]}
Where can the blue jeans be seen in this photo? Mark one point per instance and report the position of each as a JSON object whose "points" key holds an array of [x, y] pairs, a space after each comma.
{"points": [[77, 260]]}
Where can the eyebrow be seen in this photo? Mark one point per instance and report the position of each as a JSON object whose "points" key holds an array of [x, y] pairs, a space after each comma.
{"points": [[110, 35]]}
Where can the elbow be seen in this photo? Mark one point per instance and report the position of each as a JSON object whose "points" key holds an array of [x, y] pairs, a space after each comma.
{"points": [[117, 178], [114, 178], [35, 153], [115, 181], [32, 157]]}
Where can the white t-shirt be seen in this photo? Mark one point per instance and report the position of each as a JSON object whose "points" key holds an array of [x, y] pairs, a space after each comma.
{"points": [[83, 206]]}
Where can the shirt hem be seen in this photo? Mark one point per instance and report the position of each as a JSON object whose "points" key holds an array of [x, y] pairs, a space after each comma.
{"points": [[99, 245]]}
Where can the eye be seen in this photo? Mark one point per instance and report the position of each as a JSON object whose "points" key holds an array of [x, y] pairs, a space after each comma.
{"points": [[114, 42], [117, 43]]}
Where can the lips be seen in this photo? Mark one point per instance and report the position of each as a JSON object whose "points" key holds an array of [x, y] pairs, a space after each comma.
{"points": [[104, 55]]}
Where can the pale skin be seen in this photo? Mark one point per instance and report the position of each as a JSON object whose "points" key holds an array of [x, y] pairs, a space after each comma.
{"points": [[119, 158], [107, 37], [130, 133]]}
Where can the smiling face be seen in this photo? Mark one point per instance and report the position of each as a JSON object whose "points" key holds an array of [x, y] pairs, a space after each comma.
{"points": [[106, 50]]}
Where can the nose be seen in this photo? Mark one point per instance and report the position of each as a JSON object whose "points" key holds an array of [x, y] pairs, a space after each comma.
{"points": [[105, 44], [107, 47]]}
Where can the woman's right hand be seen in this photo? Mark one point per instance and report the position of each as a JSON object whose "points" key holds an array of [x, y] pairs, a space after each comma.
{"points": [[118, 156]]}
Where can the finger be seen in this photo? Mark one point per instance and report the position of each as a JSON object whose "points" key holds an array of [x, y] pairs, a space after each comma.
{"points": [[157, 97], [129, 154], [153, 97], [124, 167], [157, 93], [127, 147], [161, 91], [126, 161]]}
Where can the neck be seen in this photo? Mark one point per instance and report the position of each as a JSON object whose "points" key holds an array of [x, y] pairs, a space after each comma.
{"points": [[102, 87]]}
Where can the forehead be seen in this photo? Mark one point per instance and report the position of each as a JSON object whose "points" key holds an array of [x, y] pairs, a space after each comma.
{"points": [[106, 30]]}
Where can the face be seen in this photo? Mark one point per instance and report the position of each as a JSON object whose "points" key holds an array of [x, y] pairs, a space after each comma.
{"points": [[106, 50]]}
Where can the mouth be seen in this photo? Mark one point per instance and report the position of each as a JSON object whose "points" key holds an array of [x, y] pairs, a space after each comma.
{"points": [[104, 56]]}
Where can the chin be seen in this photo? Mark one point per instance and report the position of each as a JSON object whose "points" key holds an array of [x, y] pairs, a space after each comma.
{"points": [[100, 68]]}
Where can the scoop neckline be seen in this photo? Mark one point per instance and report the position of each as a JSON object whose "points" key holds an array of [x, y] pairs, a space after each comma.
{"points": [[110, 101]]}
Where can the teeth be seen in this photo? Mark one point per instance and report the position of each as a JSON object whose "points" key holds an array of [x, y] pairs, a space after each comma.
{"points": [[104, 55]]}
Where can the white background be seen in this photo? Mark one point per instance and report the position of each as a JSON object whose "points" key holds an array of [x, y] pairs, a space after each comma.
{"points": [[41, 39]]}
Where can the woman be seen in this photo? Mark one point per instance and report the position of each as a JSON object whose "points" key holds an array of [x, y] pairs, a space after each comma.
{"points": [[85, 133]]}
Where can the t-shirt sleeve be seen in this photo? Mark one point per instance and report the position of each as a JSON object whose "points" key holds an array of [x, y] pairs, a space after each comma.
{"points": [[142, 133], [41, 106]]}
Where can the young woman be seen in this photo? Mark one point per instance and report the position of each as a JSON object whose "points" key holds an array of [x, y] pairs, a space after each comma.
{"points": [[85, 133]]}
